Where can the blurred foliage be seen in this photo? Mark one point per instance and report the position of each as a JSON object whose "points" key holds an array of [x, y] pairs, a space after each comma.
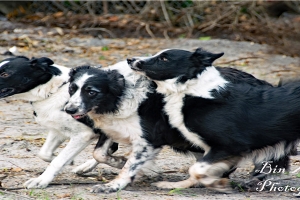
{"points": [[269, 22]]}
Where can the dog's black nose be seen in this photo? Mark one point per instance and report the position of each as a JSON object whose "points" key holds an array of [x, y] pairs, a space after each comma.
{"points": [[130, 60], [71, 110]]}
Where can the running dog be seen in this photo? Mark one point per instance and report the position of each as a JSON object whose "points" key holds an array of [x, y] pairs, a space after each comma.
{"points": [[229, 121], [44, 84]]}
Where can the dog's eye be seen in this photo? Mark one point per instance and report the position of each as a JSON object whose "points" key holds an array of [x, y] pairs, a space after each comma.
{"points": [[71, 90], [92, 93], [162, 58], [4, 74]]}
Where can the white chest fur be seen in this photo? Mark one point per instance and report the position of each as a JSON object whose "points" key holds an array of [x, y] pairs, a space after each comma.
{"points": [[173, 108], [121, 130]]}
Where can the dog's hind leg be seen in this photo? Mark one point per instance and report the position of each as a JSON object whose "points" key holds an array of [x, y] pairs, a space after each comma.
{"points": [[53, 140], [281, 163], [103, 150], [102, 154], [180, 184], [263, 171], [75, 146], [208, 172]]}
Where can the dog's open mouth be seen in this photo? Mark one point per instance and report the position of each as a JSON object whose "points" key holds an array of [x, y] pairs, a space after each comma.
{"points": [[78, 116], [6, 92]]}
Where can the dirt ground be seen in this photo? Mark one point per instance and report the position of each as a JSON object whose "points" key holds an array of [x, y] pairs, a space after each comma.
{"points": [[21, 137]]}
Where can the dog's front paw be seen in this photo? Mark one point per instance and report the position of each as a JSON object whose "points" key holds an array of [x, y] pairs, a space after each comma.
{"points": [[85, 167], [37, 183], [105, 188]]}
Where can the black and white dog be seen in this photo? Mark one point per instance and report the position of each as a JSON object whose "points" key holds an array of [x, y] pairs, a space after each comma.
{"points": [[45, 85], [125, 106], [229, 121]]}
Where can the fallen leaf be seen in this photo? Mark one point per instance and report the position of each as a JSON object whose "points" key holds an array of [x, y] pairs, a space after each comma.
{"points": [[113, 18], [59, 31], [17, 169], [61, 196], [58, 14]]}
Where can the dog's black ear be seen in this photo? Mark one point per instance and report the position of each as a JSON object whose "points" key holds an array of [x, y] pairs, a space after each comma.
{"points": [[71, 74], [73, 71], [117, 82], [205, 58], [45, 64], [41, 62]]}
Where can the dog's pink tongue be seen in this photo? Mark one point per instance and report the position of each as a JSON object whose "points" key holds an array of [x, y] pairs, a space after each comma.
{"points": [[76, 116]]}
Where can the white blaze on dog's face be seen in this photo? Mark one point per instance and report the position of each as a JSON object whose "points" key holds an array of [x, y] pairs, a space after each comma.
{"points": [[173, 63], [93, 89], [76, 106]]}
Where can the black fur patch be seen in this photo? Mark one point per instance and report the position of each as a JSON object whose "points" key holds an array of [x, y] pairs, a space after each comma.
{"points": [[21, 74]]}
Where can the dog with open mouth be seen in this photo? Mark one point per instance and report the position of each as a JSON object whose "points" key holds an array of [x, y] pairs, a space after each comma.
{"points": [[230, 120], [45, 85], [126, 107]]}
